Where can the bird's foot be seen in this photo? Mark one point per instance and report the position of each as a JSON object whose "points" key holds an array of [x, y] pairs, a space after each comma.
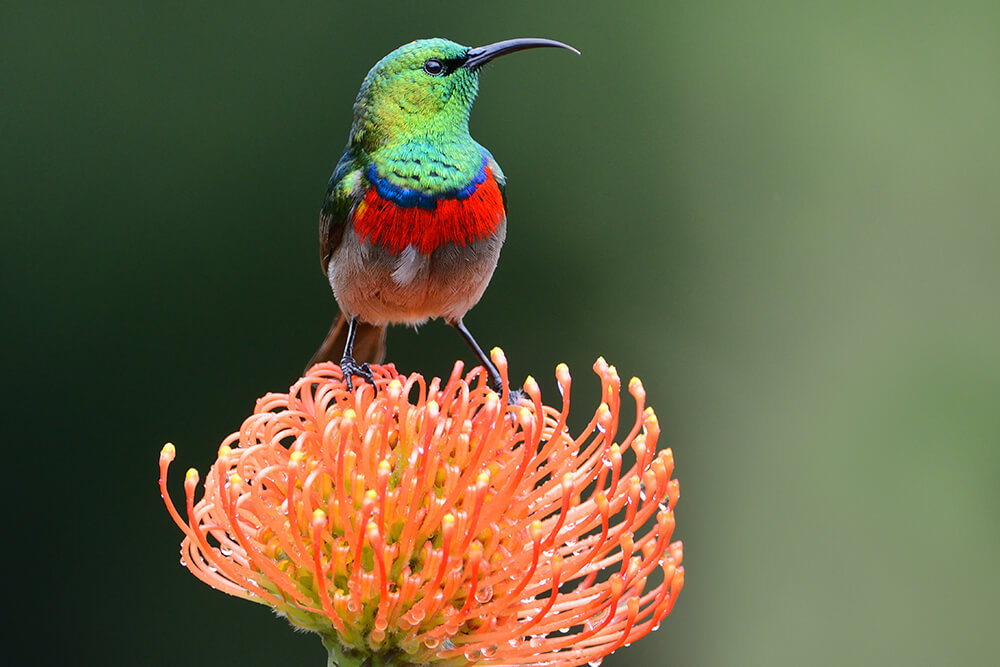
{"points": [[349, 367], [514, 396]]}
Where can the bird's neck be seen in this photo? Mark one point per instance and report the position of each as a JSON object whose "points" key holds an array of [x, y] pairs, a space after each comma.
{"points": [[432, 164]]}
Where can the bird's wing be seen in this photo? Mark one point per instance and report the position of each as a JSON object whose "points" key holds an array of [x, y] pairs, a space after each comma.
{"points": [[346, 188], [497, 176]]}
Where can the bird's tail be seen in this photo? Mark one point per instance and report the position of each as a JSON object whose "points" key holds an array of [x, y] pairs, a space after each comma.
{"points": [[369, 343]]}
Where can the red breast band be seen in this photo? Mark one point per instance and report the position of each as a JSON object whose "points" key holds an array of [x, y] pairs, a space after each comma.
{"points": [[458, 221]]}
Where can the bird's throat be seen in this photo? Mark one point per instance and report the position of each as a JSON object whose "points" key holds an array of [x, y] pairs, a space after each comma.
{"points": [[431, 166]]}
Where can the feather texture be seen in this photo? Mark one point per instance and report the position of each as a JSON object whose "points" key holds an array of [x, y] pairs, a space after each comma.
{"points": [[396, 218]]}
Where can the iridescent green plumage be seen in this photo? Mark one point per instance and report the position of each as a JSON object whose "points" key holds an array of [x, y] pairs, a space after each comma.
{"points": [[415, 126]]}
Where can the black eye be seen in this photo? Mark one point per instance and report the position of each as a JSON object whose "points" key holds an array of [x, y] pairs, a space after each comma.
{"points": [[433, 66]]}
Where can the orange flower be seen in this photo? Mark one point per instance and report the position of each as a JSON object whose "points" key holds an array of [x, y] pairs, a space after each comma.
{"points": [[448, 529]]}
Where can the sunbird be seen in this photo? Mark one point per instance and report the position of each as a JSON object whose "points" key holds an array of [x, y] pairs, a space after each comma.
{"points": [[415, 212]]}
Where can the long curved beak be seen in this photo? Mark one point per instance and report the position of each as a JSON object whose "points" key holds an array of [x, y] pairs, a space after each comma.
{"points": [[480, 55]]}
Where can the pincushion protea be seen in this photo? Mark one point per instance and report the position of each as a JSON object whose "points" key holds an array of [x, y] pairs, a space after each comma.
{"points": [[446, 529]]}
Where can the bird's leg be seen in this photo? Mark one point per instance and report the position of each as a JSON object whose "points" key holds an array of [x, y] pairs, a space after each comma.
{"points": [[348, 366], [494, 381]]}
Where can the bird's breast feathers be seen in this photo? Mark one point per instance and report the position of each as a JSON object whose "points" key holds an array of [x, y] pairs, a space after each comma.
{"points": [[396, 218]]}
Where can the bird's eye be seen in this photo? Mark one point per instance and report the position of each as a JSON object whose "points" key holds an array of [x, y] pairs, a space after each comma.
{"points": [[433, 66]]}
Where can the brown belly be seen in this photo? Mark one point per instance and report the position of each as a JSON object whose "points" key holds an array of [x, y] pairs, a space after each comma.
{"points": [[411, 287]]}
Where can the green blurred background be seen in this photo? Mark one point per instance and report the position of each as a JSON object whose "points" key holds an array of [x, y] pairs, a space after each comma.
{"points": [[784, 216]]}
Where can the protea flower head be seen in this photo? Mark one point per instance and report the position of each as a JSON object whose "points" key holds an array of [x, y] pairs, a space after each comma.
{"points": [[437, 525]]}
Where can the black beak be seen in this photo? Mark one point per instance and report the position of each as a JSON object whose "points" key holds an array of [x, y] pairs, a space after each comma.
{"points": [[480, 55]]}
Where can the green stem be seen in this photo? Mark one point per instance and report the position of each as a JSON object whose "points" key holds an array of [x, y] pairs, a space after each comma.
{"points": [[339, 656]]}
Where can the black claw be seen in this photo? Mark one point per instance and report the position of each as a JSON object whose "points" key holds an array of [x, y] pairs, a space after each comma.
{"points": [[349, 367], [514, 396]]}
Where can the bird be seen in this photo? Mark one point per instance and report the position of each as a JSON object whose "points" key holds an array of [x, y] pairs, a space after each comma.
{"points": [[415, 212]]}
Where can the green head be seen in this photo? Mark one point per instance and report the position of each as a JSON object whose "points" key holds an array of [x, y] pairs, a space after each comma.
{"points": [[425, 90]]}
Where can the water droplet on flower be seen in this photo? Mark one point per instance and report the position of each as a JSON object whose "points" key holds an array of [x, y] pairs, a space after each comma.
{"points": [[473, 655], [183, 562], [225, 551], [600, 427], [596, 663], [489, 651], [432, 642], [606, 460], [484, 594], [655, 628]]}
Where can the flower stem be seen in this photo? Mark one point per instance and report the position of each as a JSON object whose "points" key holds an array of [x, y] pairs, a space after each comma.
{"points": [[340, 656]]}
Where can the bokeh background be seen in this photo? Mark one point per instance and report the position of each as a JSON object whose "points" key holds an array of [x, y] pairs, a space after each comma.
{"points": [[784, 216]]}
